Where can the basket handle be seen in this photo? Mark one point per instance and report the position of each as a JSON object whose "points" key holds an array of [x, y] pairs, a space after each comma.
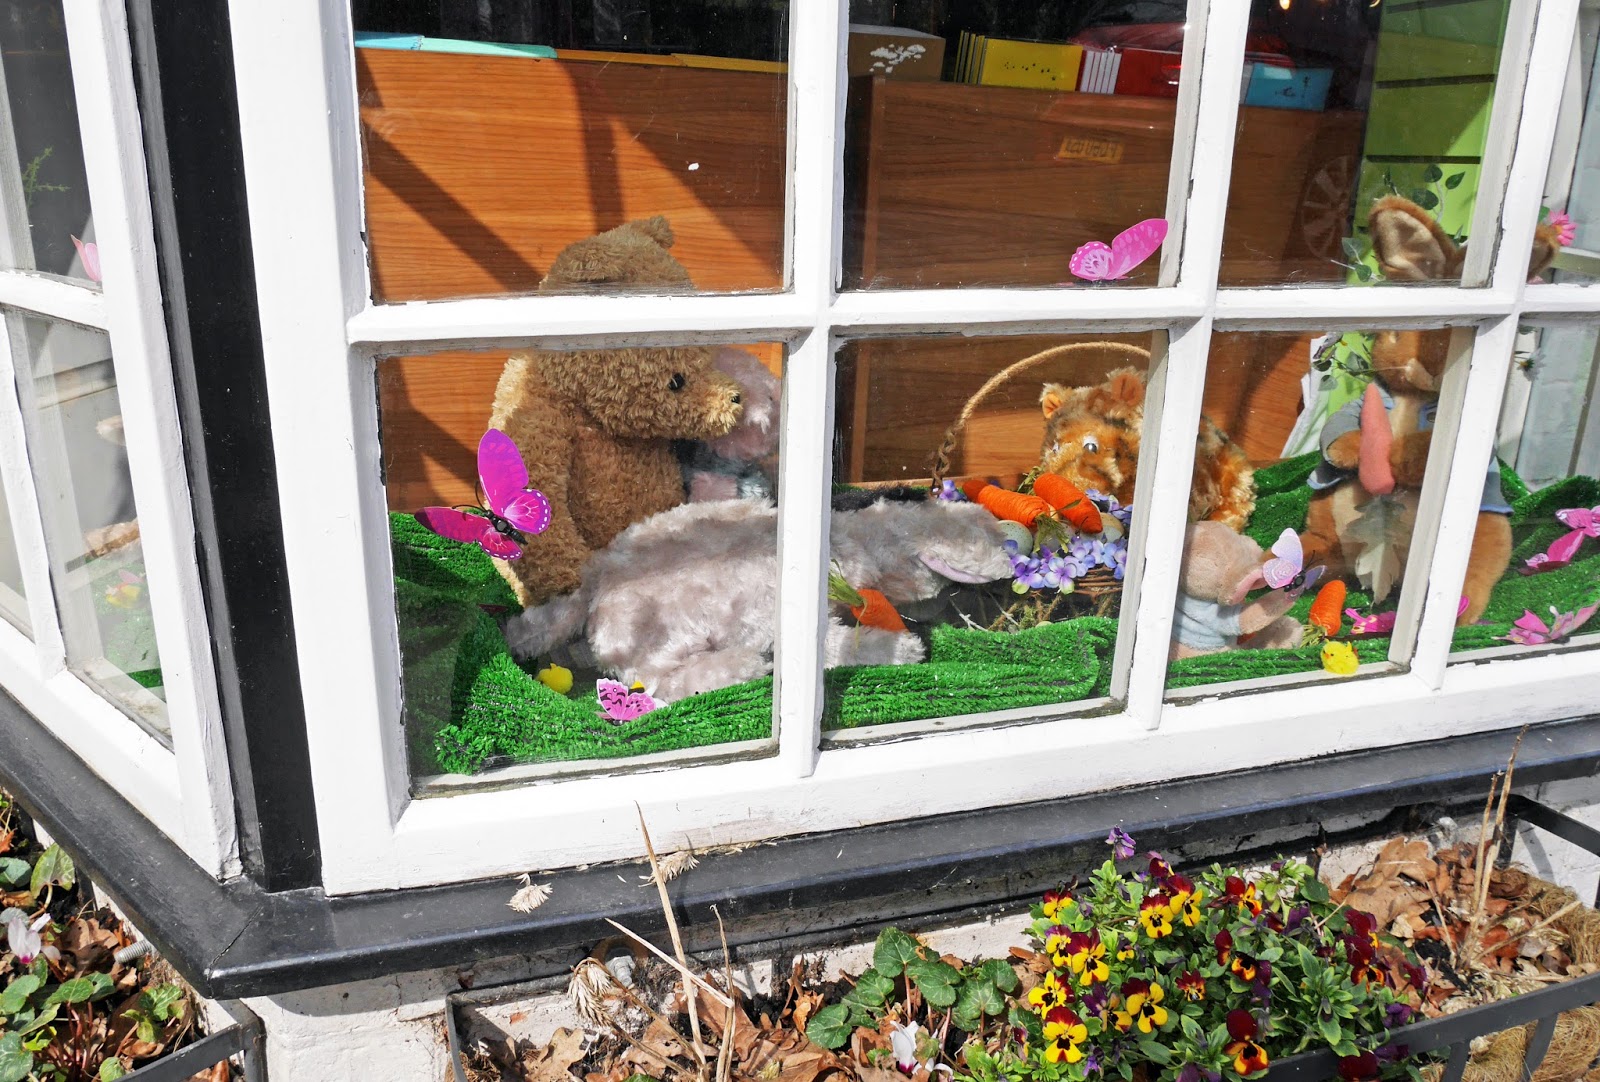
{"points": [[941, 457]]}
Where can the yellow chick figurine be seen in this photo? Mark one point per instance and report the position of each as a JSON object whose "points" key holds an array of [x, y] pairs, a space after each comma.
{"points": [[1340, 658], [556, 678]]}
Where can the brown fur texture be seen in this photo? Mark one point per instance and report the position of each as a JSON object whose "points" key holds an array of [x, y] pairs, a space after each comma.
{"points": [[595, 427], [1091, 438], [1409, 365]]}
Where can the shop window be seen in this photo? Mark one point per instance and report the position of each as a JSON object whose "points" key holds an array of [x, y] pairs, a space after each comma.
{"points": [[13, 594], [1539, 539], [73, 421], [1570, 215], [495, 134], [1001, 594], [576, 631], [1345, 104], [46, 228]]}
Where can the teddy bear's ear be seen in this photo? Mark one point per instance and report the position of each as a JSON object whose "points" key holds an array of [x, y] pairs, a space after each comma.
{"points": [[1409, 244], [1053, 398], [1546, 243], [1122, 392], [656, 229]]}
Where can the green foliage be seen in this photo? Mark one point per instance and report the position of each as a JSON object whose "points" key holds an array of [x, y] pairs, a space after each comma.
{"points": [[53, 869], [83, 989], [154, 1007], [830, 1027], [16, 1062], [14, 872], [112, 1069]]}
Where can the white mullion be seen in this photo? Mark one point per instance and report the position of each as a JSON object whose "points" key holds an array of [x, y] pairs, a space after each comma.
{"points": [[1185, 124], [72, 302], [1228, 24], [1504, 137], [805, 464], [1462, 449], [27, 527], [1560, 299], [1161, 500], [1012, 311], [816, 149], [1390, 307], [113, 147], [302, 160], [1523, 174]]}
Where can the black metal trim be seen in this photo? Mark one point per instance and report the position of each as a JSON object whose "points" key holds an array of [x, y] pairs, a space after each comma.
{"points": [[183, 58], [234, 940], [244, 1038]]}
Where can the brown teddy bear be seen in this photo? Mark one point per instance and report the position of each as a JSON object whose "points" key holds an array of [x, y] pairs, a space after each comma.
{"points": [[1407, 367], [595, 426], [1091, 438]]}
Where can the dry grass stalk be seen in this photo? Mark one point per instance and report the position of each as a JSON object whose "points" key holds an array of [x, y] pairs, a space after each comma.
{"points": [[530, 895], [710, 989], [673, 865], [677, 939], [725, 1055], [1493, 827]]}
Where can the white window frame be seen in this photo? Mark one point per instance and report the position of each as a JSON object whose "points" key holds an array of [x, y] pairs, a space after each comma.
{"points": [[302, 159], [186, 791]]}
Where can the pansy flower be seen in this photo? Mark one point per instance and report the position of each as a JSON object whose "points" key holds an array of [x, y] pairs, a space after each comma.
{"points": [[1242, 894], [1049, 993], [1186, 906], [1368, 972], [1059, 944], [1362, 925], [1064, 1031], [1244, 967], [1055, 901], [1142, 1007], [1358, 1068], [1087, 957], [1121, 843], [1159, 868], [1223, 941], [1155, 916], [1192, 985], [1096, 999], [1248, 1056]]}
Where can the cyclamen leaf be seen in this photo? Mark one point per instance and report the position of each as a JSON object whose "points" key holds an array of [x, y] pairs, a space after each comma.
{"points": [[13, 870], [16, 1062], [159, 1001], [77, 990], [15, 997], [830, 1027], [870, 993], [981, 997], [111, 1070], [893, 951], [998, 972], [53, 869], [44, 1018], [936, 981]]}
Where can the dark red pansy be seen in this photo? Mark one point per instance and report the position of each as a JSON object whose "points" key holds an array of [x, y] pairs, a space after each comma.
{"points": [[1133, 986], [1223, 941], [1241, 1025], [1358, 1068]]}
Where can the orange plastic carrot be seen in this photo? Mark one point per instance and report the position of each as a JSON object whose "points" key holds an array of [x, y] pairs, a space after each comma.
{"points": [[1069, 501], [1325, 610], [1004, 504], [869, 607]]}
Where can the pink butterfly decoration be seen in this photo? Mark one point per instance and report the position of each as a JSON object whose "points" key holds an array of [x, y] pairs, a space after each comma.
{"points": [[1584, 522], [89, 254], [1287, 566], [1382, 623], [1097, 262], [622, 703], [1530, 630], [512, 511]]}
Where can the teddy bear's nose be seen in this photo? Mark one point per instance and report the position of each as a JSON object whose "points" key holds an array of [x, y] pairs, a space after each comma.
{"points": [[736, 398]]}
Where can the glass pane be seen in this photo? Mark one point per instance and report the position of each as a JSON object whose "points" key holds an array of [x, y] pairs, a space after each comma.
{"points": [[1345, 104], [950, 595], [44, 198], [498, 132], [1308, 473], [668, 646], [987, 144], [68, 388], [1570, 217], [1540, 565], [13, 598]]}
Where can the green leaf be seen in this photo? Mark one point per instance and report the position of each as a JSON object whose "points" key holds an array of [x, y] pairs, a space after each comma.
{"points": [[975, 1056], [1432, 173], [1192, 1029], [1030, 1024], [13, 871], [980, 997], [15, 1062], [936, 980], [44, 1018], [869, 994], [1314, 891], [77, 990], [1362, 272], [1329, 1028], [158, 1001], [1352, 249], [893, 951], [53, 868], [15, 997], [830, 1027], [998, 972], [112, 1069], [1428, 201], [1155, 1052], [1453, 181]]}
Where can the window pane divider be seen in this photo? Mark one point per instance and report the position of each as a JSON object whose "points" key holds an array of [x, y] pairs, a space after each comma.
{"points": [[54, 297], [1561, 299], [27, 521], [1357, 307]]}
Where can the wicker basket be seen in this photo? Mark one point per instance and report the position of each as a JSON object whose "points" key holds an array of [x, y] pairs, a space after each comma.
{"points": [[1098, 591]]}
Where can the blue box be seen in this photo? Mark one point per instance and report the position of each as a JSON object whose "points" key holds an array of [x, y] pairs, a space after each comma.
{"points": [[1289, 88]]}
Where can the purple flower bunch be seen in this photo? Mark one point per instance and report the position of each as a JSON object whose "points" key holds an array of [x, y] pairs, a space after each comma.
{"points": [[1045, 570]]}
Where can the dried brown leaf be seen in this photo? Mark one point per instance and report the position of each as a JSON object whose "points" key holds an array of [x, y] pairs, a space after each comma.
{"points": [[553, 1062]]}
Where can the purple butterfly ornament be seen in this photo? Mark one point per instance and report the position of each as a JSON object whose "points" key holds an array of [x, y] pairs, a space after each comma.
{"points": [[622, 703], [512, 511], [1097, 262], [1286, 568], [1584, 522], [1530, 630]]}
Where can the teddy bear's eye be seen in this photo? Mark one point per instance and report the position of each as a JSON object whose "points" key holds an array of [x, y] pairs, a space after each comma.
{"points": [[676, 382], [1091, 444]]}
